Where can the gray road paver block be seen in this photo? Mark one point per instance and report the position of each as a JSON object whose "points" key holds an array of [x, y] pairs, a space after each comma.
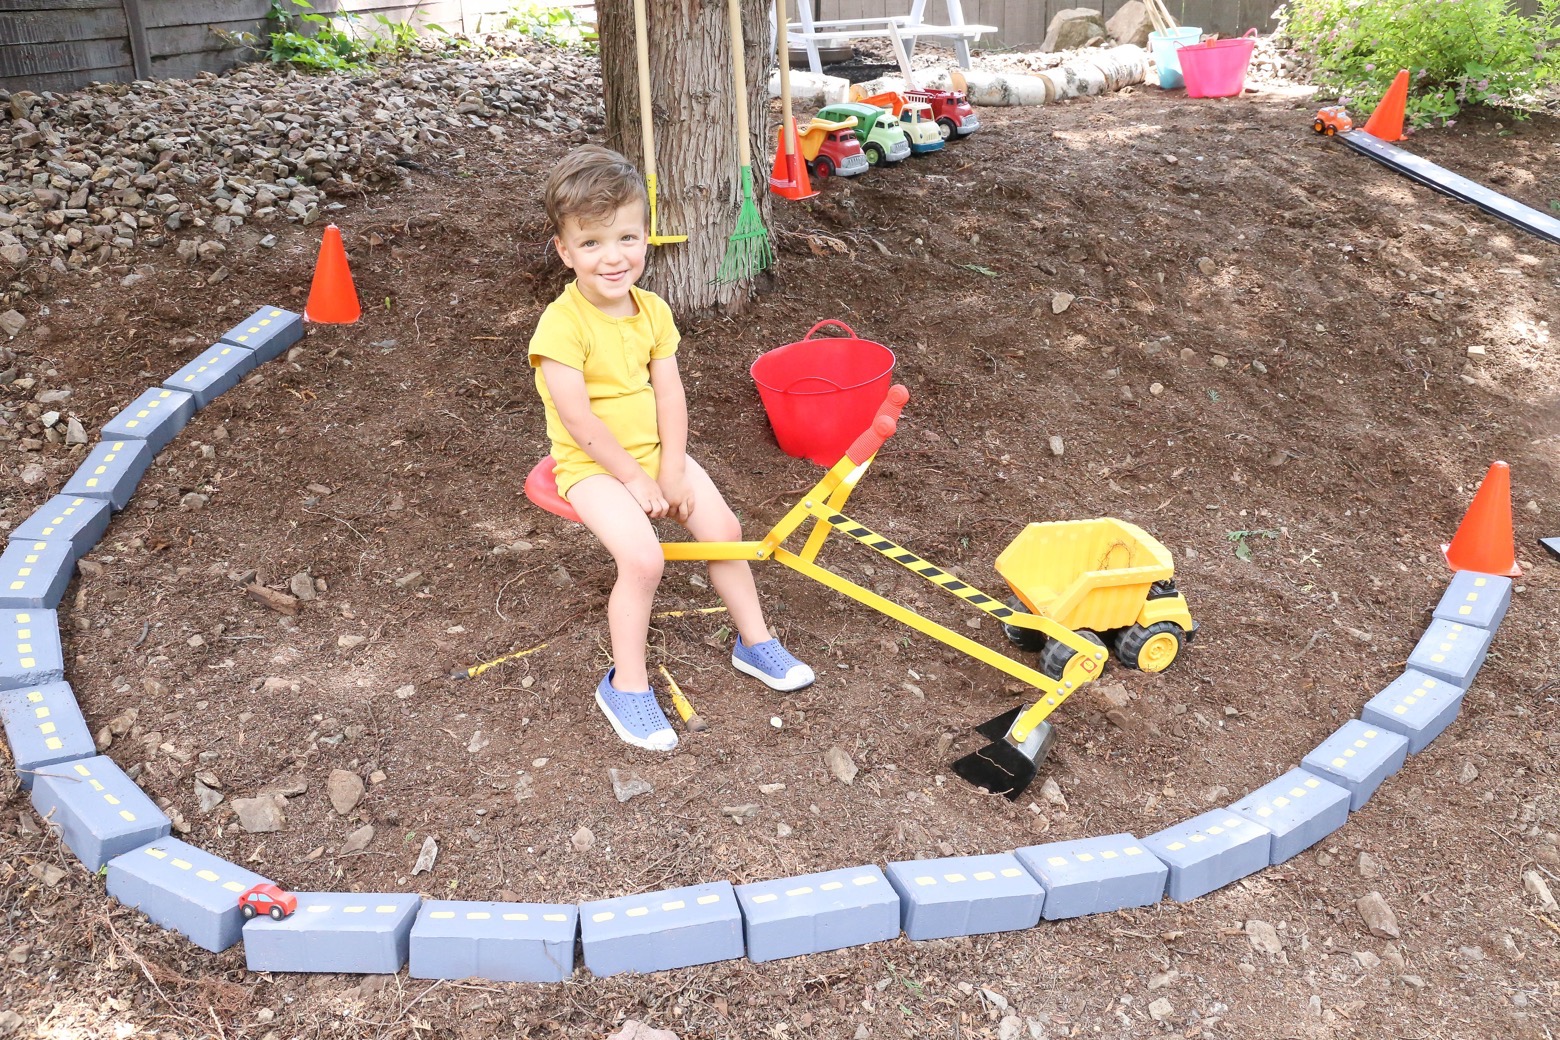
{"points": [[74, 518], [1417, 705], [1094, 875], [1209, 851], [349, 932], [965, 895], [504, 942], [659, 930], [99, 810], [183, 888], [111, 471], [216, 371], [45, 728], [1452, 651], [1358, 757], [831, 910], [1475, 599], [268, 332], [1300, 808], [155, 417], [30, 651], [35, 573]]}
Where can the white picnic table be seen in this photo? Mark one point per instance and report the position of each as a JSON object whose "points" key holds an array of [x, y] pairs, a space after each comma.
{"points": [[809, 32]]}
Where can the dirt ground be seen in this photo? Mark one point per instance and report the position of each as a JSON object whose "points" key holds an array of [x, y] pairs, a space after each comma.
{"points": [[1267, 352]]}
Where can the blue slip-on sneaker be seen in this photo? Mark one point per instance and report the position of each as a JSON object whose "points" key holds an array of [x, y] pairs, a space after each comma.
{"points": [[772, 664], [636, 717]]}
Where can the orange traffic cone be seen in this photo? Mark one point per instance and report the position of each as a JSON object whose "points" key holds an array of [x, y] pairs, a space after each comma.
{"points": [[1386, 123], [789, 176], [333, 299], [1484, 540]]}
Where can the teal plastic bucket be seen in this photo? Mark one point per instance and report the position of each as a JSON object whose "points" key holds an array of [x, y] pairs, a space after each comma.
{"points": [[1164, 46]]}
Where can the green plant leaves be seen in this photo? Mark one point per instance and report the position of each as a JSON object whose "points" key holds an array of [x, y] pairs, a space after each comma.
{"points": [[1459, 52]]}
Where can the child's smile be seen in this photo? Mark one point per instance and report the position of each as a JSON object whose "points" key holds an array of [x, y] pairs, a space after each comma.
{"points": [[606, 256]]}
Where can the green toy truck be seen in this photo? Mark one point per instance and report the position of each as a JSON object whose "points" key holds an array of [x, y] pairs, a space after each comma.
{"points": [[878, 130]]}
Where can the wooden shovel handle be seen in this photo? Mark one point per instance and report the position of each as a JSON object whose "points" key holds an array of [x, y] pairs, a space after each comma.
{"points": [[783, 50], [739, 77], [642, 50]]}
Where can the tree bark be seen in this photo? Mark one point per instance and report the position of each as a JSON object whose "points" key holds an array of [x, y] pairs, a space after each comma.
{"points": [[693, 98]]}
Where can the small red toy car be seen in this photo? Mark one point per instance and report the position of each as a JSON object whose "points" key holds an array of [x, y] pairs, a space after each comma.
{"points": [[951, 108], [1334, 120], [266, 898]]}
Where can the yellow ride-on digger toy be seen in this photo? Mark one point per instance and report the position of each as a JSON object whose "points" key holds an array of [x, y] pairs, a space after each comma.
{"points": [[1080, 586]]}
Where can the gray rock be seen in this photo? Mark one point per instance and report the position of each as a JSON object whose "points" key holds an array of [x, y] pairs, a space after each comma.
{"points": [[1130, 24], [1073, 28], [427, 856], [627, 788], [75, 433], [1264, 938], [840, 765], [193, 502], [1378, 916], [358, 840], [345, 790], [583, 839], [260, 815], [208, 797], [301, 585], [12, 323]]}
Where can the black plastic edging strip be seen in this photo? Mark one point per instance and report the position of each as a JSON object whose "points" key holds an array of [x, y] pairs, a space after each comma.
{"points": [[1458, 187]]}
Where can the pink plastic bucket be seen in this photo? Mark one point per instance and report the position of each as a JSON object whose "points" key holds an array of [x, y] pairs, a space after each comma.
{"points": [[1217, 68]]}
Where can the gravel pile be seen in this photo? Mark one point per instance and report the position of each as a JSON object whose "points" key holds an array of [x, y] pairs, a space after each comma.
{"points": [[90, 177]]}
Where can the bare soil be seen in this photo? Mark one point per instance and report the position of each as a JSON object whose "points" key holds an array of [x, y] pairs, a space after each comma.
{"points": [[1309, 386]]}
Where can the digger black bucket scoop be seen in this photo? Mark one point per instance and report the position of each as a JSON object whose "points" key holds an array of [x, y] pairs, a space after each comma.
{"points": [[1003, 766]]}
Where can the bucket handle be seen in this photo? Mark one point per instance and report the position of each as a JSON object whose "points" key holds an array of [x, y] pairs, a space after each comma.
{"points": [[791, 387], [830, 321], [1248, 34]]}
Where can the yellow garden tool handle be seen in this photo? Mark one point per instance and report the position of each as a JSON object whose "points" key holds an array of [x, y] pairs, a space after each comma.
{"points": [[883, 426], [784, 51], [739, 78]]}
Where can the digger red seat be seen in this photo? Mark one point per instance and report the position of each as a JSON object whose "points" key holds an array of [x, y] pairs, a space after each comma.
{"points": [[541, 487]]}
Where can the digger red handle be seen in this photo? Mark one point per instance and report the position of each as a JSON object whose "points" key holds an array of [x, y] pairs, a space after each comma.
{"points": [[883, 426]]}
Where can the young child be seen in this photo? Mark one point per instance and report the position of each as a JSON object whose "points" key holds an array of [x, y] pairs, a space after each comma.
{"points": [[606, 368]]}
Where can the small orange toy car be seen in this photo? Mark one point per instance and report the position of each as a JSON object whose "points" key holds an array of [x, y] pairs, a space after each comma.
{"points": [[1334, 120], [266, 898]]}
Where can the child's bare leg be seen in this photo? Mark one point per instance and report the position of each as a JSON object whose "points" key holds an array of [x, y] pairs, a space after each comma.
{"points": [[757, 652], [713, 521], [612, 515]]}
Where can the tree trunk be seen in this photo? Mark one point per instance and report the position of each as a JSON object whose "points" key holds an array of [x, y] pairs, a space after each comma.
{"points": [[699, 172]]}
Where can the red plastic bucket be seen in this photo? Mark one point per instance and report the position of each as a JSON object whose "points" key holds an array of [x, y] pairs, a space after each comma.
{"points": [[1217, 68], [821, 393]]}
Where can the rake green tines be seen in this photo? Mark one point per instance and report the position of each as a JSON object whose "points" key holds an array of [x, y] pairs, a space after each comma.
{"points": [[748, 252]]}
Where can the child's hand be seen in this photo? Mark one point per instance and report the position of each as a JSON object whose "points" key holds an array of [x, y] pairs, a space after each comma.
{"points": [[648, 494], [679, 495]]}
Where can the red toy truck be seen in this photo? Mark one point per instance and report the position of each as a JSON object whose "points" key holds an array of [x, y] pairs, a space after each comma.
{"points": [[951, 108], [831, 148]]}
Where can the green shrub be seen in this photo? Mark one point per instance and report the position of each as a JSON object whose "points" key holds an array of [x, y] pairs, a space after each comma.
{"points": [[559, 24], [1458, 52]]}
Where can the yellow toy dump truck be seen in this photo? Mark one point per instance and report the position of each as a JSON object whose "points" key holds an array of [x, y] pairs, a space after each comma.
{"points": [[1107, 580], [1104, 581]]}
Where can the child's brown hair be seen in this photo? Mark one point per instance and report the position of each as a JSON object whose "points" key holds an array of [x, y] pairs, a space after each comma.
{"points": [[590, 184]]}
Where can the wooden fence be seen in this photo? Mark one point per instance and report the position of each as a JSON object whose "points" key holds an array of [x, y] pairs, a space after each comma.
{"points": [[63, 44]]}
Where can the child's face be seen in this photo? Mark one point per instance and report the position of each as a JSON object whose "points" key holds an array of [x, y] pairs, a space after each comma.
{"points": [[606, 256]]}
